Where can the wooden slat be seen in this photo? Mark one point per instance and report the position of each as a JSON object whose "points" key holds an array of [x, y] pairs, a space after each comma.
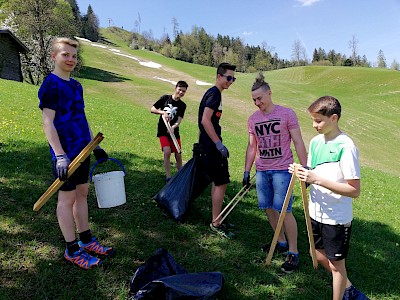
{"points": [[71, 169], [171, 132]]}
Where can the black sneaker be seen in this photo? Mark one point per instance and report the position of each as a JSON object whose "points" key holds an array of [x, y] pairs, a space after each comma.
{"points": [[352, 293], [291, 263], [278, 249], [227, 226], [221, 231]]}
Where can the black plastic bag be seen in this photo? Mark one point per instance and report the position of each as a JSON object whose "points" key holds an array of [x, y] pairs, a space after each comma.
{"points": [[196, 286], [187, 184], [160, 264], [176, 285]]}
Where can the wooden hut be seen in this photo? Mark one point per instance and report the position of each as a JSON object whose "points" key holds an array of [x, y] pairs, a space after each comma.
{"points": [[10, 61]]}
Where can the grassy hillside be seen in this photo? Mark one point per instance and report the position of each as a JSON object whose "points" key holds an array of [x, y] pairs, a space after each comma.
{"points": [[369, 96], [119, 92]]}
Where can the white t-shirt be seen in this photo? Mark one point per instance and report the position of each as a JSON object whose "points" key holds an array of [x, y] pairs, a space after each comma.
{"points": [[335, 160]]}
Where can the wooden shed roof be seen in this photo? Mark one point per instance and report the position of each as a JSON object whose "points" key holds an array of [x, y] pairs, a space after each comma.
{"points": [[22, 48]]}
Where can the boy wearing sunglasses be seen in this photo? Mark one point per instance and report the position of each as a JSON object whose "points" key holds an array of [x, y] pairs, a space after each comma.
{"points": [[215, 158]]}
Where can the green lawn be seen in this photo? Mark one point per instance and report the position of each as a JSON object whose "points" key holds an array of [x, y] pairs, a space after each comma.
{"points": [[118, 94]]}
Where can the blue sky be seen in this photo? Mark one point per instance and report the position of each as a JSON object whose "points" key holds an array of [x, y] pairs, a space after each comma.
{"points": [[329, 24]]}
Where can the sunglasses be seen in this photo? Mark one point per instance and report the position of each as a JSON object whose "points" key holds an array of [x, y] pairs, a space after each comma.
{"points": [[229, 78]]}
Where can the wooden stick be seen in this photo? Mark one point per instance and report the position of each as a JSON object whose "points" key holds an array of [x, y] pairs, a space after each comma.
{"points": [[242, 193], [308, 223], [281, 219], [71, 169], [171, 133]]}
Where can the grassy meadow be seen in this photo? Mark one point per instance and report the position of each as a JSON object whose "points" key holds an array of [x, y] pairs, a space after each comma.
{"points": [[118, 95]]}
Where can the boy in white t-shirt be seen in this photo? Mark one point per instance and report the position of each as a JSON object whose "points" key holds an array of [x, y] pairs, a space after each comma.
{"points": [[334, 176]]}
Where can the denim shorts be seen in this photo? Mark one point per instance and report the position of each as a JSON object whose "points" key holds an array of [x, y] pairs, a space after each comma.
{"points": [[271, 189]]}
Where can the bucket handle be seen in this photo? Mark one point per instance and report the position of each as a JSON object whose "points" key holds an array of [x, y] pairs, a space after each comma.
{"points": [[102, 160]]}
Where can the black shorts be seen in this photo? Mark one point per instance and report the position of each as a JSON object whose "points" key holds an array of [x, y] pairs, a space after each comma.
{"points": [[216, 167], [333, 239], [80, 176]]}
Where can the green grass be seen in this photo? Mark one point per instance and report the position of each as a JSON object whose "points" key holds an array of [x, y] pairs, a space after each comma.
{"points": [[118, 94]]}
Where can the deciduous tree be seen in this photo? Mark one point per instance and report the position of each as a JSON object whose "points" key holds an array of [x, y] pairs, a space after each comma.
{"points": [[36, 22]]}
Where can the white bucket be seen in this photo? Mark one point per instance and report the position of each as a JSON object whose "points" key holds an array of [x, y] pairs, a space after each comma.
{"points": [[110, 189]]}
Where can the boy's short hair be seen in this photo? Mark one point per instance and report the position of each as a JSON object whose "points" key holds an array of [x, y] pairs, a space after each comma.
{"points": [[326, 106], [55, 44], [222, 67], [181, 83]]}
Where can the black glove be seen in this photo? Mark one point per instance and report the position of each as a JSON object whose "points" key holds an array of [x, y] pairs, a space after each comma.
{"points": [[62, 166], [221, 148], [246, 179], [99, 153]]}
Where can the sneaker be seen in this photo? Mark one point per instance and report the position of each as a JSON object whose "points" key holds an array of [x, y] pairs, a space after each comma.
{"points": [[95, 248], [352, 293], [278, 249], [83, 259], [361, 296], [291, 263], [227, 226], [221, 231]]}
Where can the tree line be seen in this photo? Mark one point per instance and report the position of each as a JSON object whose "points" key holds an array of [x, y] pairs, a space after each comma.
{"points": [[199, 47], [36, 22]]}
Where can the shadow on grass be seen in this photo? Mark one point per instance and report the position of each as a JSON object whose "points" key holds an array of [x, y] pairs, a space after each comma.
{"points": [[106, 41], [99, 75], [31, 251]]}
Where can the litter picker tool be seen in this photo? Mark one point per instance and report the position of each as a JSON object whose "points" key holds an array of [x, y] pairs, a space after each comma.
{"points": [[231, 205], [171, 133], [282, 217], [71, 169]]}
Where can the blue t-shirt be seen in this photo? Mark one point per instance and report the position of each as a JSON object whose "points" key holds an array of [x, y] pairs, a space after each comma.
{"points": [[212, 99], [66, 99]]}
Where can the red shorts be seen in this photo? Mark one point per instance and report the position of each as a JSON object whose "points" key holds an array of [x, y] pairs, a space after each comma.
{"points": [[166, 141]]}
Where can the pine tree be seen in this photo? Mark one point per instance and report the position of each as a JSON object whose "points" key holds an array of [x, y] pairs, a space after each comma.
{"points": [[77, 15], [381, 60], [90, 25]]}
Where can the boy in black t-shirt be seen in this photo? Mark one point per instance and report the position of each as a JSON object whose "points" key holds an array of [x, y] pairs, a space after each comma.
{"points": [[173, 108], [215, 158]]}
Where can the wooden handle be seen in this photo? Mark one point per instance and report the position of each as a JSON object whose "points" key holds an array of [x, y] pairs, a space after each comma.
{"points": [[71, 169], [240, 194], [280, 220], [308, 223], [171, 132]]}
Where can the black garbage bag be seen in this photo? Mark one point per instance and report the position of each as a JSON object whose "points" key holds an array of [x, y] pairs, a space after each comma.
{"points": [[160, 264], [187, 184], [190, 286], [182, 286]]}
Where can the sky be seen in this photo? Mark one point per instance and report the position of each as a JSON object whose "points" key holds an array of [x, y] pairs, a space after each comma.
{"points": [[326, 24]]}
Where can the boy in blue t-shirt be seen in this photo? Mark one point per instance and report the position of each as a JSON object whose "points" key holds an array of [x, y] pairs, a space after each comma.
{"points": [[68, 132]]}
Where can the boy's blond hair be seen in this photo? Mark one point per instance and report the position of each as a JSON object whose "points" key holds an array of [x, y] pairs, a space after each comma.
{"points": [[58, 41]]}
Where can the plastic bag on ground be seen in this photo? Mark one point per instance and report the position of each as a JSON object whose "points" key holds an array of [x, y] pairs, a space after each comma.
{"points": [[182, 286], [160, 264]]}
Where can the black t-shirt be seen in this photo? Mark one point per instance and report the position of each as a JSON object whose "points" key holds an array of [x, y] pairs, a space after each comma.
{"points": [[212, 99], [175, 109]]}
